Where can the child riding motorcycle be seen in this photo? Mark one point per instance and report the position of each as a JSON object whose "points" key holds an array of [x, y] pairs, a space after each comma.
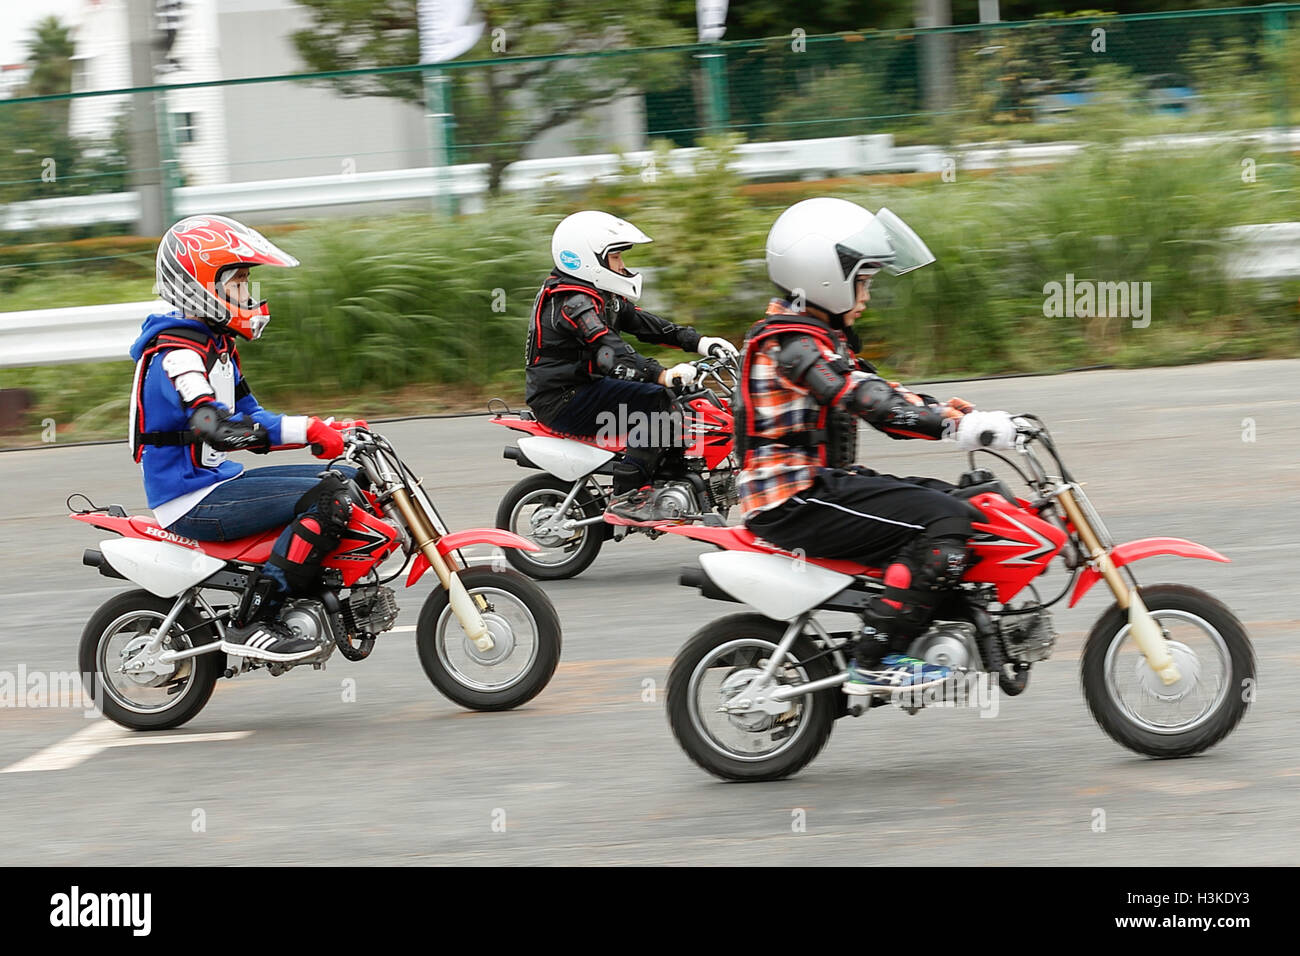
{"points": [[800, 394], [579, 366], [190, 406]]}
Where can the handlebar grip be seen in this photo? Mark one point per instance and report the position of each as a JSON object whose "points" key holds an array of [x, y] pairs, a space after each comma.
{"points": [[986, 437], [317, 449]]}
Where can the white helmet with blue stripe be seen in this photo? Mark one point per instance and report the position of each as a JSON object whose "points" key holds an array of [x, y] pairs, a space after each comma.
{"points": [[582, 243]]}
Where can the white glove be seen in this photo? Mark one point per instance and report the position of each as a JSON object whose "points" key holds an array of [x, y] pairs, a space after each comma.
{"points": [[986, 430], [710, 342], [683, 374]]}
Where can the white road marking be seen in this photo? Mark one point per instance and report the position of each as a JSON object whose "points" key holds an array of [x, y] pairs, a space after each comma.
{"points": [[405, 629], [100, 736], [70, 751]]}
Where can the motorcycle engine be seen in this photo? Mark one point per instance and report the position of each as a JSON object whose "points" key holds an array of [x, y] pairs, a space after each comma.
{"points": [[374, 608], [308, 620], [722, 485], [675, 500], [949, 643], [1029, 637]]}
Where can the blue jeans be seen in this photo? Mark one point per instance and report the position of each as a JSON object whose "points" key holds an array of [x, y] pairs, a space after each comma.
{"points": [[259, 499]]}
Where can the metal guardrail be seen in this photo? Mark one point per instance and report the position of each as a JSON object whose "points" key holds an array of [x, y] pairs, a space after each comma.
{"points": [[831, 156]]}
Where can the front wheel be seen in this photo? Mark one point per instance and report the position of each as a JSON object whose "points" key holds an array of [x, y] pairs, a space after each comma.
{"points": [[530, 510], [717, 666], [1215, 661], [525, 631], [131, 688]]}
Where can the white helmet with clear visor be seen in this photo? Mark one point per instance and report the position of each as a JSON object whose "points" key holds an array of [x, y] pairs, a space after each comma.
{"points": [[817, 248]]}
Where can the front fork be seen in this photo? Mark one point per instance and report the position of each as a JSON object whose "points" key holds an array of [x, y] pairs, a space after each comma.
{"points": [[465, 608], [1146, 632]]}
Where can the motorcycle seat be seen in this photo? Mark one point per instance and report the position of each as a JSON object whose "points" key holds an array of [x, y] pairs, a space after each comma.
{"points": [[253, 549], [740, 538]]}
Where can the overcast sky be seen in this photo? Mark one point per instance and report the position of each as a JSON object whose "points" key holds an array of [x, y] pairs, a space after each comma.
{"points": [[17, 18]]}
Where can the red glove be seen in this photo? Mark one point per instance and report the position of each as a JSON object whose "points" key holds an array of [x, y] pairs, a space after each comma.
{"points": [[324, 437], [349, 423]]}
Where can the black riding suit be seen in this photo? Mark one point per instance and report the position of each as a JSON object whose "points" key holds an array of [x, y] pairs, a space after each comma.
{"points": [[580, 369]]}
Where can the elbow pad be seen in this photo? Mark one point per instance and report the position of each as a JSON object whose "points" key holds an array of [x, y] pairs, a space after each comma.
{"points": [[883, 408], [801, 361], [215, 426], [627, 367]]}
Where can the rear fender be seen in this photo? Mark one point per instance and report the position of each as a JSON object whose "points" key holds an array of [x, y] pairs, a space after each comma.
{"points": [[160, 568], [775, 586], [563, 457]]}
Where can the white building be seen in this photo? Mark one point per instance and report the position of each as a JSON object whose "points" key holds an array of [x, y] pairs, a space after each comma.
{"points": [[247, 132], [13, 77], [285, 129]]}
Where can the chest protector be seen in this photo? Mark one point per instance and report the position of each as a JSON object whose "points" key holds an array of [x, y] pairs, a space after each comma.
{"points": [[219, 362], [542, 338], [834, 436]]}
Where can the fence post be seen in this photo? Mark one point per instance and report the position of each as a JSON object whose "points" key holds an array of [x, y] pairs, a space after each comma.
{"points": [[436, 99], [1277, 34], [169, 177], [146, 175], [715, 87]]}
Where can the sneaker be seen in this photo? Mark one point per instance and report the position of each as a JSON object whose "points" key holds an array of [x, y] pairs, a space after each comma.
{"points": [[268, 641], [634, 508], [894, 672]]}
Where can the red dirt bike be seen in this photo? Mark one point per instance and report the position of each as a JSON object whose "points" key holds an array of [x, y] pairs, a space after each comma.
{"points": [[488, 638], [561, 509], [1167, 670]]}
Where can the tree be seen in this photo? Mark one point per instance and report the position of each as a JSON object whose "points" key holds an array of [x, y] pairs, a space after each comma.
{"points": [[501, 108], [49, 51]]}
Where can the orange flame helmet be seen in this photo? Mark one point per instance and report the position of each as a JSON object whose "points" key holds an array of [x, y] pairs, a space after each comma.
{"points": [[195, 258]]}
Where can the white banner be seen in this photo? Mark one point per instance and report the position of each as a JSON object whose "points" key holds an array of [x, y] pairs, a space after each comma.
{"points": [[711, 19], [445, 30]]}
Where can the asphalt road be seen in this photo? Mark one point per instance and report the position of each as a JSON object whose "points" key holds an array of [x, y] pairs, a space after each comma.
{"points": [[283, 770]]}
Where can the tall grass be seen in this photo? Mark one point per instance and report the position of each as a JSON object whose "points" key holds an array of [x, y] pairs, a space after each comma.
{"points": [[382, 305]]}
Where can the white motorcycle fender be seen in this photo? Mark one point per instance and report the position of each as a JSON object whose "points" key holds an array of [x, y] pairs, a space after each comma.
{"points": [[563, 457], [162, 569], [775, 586]]}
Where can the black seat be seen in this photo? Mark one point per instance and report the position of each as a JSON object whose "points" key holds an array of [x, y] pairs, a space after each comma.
{"points": [[995, 486]]}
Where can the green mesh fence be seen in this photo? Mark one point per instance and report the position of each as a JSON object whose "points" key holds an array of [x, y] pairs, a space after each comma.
{"points": [[1239, 68]]}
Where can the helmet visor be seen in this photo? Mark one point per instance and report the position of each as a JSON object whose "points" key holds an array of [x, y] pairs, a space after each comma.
{"points": [[910, 252]]}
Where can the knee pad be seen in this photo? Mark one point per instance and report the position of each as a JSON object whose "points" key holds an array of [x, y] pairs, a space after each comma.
{"points": [[331, 500], [324, 513], [940, 563], [913, 583]]}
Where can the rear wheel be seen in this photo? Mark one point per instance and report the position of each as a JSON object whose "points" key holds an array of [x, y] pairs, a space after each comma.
{"points": [[530, 509], [127, 686], [716, 666], [1217, 675]]}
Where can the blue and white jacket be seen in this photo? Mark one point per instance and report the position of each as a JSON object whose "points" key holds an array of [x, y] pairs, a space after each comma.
{"points": [[182, 362]]}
